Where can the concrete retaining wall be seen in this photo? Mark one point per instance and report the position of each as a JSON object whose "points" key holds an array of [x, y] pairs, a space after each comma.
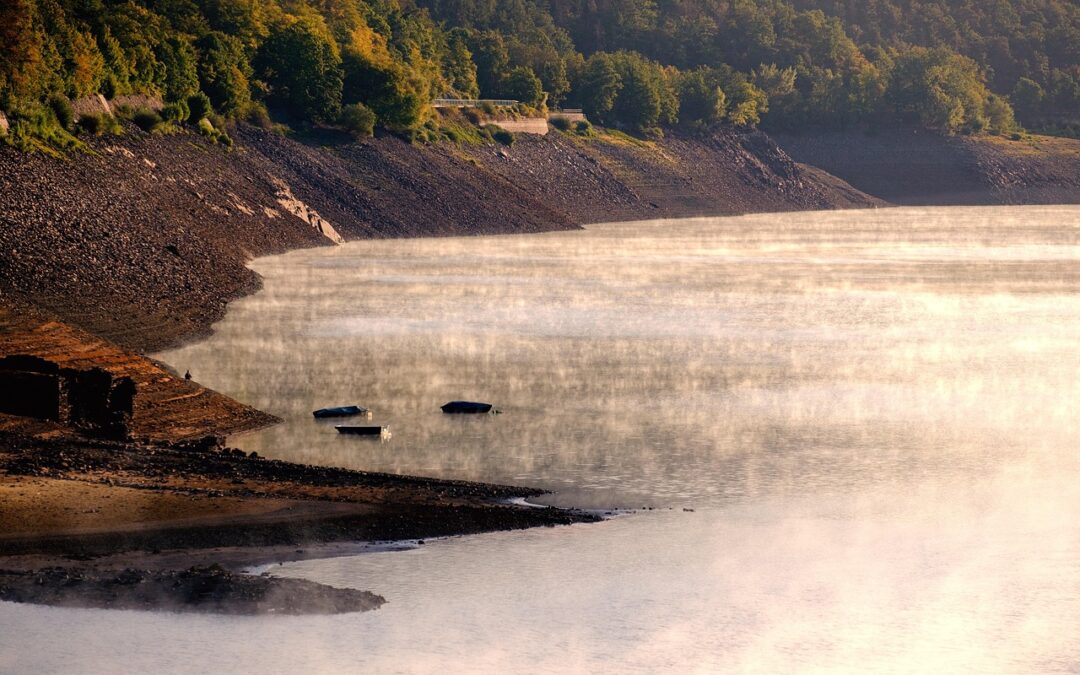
{"points": [[531, 125], [570, 116]]}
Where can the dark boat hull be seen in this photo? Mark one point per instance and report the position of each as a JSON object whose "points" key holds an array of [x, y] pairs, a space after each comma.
{"points": [[341, 411], [361, 431], [466, 408]]}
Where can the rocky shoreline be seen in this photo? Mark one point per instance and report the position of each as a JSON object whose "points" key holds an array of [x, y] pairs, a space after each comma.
{"points": [[144, 240], [141, 242]]}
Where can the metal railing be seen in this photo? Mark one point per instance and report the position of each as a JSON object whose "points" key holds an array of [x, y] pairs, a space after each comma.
{"points": [[471, 102]]}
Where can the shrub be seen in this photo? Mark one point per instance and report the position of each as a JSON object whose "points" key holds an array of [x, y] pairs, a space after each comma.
{"points": [[560, 123], [488, 107], [226, 140], [1015, 136], [98, 124], [258, 116], [453, 136], [198, 107], [91, 123], [473, 115], [358, 120], [205, 127], [502, 136], [177, 111], [583, 128], [217, 120], [61, 108], [146, 119]]}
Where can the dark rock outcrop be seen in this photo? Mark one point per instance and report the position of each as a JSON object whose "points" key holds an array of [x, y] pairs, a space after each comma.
{"points": [[209, 589]]}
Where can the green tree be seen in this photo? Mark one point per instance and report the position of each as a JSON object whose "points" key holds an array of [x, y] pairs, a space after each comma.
{"points": [[1000, 114], [701, 99], [1029, 97], [20, 51], [181, 72], [223, 72], [521, 84], [459, 67], [199, 107], [598, 86], [638, 103], [302, 65], [940, 88], [390, 90], [492, 61]]}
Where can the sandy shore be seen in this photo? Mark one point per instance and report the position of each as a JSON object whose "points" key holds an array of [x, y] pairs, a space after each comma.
{"points": [[113, 524]]}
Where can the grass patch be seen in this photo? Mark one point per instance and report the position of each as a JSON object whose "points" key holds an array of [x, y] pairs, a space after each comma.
{"points": [[616, 137], [35, 128]]}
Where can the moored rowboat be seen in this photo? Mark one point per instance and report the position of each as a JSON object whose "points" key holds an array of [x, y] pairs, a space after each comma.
{"points": [[466, 407], [341, 411], [362, 430]]}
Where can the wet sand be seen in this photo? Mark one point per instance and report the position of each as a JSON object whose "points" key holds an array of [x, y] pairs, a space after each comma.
{"points": [[89, 523]]}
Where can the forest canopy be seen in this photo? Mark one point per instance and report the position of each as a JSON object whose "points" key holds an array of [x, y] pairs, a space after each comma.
{"points": [[957, 66]]}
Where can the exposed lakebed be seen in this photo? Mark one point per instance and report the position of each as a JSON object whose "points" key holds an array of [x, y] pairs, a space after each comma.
{"points": [[870, 413]]}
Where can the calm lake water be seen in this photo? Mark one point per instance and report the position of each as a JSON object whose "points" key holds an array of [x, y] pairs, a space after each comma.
{"points": [[857, 433]]}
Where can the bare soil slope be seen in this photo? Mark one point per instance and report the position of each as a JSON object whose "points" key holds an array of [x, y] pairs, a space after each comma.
{"points": [[915, 167], [167, 407]]}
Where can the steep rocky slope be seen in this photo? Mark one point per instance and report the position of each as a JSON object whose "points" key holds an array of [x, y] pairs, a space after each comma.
{"points": [[144, 239]]}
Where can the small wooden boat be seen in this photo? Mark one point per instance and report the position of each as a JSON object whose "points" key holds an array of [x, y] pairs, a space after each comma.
{"points": [[341, 411], [466, 408], [362, 430]]}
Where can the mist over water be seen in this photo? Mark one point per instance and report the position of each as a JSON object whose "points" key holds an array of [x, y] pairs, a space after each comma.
{"points": [[872, 415]]}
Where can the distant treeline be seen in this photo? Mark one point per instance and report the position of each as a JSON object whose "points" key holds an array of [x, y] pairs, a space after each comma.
{"points": [[959, 66]]}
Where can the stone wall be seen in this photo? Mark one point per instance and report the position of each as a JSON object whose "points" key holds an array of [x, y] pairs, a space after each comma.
{"points": [[91, 105], [92, 401], [96, 104], [136, 101]]}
